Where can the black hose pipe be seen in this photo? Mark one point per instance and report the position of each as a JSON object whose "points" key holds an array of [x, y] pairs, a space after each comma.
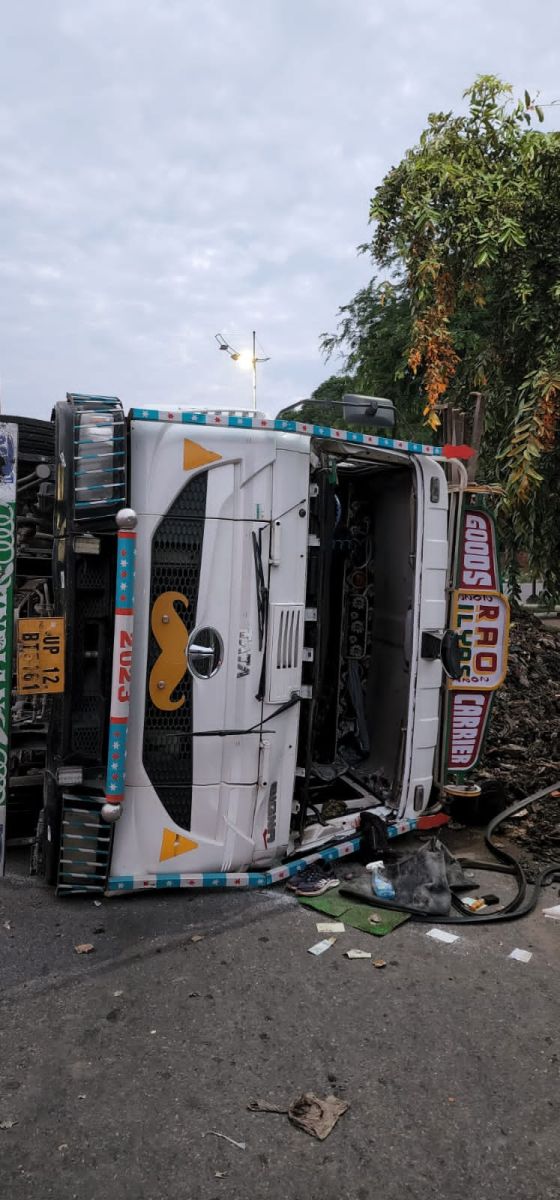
{"points": [[524, 900]]}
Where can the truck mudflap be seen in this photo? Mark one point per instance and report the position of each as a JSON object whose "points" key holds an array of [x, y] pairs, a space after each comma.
{"points": [[479, 612]]}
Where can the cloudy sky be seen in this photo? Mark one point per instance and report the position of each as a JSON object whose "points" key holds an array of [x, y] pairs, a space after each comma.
{"points": [[170, 169]]}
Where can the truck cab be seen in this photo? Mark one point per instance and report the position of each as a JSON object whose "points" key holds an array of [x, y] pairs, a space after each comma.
{"points": [[258, 641]]}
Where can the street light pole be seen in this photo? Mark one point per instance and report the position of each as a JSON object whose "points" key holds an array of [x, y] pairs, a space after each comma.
{"points": [[244, 359], [254, 371]]}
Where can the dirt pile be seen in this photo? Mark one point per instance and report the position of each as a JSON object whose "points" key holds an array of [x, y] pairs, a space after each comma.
{"points": [[522, 752]]}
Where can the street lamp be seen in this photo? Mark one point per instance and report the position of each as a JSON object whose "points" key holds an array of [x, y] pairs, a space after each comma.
{"points": [[244, 359]]}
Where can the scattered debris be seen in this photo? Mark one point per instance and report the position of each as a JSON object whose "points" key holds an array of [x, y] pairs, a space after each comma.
{"points": [[313, 880], [330, 927], [441, 935], [224, 1136], [153, 1030], [82, 1097], [474, 903], [422, 880], [117, 993], [97, 903], [355, 908], [220, 1174], [379, 963], [358, 954], [7, 1123], [553, 913], [521, 955], [315, 1116], [320, 947], [7, 926], [63, 1146], [84, 948], [197, 937]]}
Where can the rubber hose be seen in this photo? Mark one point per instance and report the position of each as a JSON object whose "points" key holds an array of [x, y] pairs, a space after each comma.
{"points": [[519, 906]]}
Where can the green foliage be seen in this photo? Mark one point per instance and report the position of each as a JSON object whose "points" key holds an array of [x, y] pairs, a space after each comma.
{"points": [[374, 332], [467, 229]]}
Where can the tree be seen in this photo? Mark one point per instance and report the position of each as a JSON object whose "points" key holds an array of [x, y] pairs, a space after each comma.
{"points": [[375, 331], [467, 230]]}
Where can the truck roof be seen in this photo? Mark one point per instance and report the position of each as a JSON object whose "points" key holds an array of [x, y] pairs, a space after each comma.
{"points": [[235, 420]]}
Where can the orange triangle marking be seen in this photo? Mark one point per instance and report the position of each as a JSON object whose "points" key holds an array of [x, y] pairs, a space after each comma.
{"points": [[173, 844], [195, 455]]}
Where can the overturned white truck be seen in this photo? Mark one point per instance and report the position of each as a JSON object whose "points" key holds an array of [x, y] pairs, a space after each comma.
{"points": [[232, 635]]}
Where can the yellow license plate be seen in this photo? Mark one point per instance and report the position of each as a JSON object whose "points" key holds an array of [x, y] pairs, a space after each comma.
{"points": [[40, 655]]}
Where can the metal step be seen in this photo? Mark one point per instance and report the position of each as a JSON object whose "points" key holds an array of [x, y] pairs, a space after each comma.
{"points": [[95, 414], [85, 846]]}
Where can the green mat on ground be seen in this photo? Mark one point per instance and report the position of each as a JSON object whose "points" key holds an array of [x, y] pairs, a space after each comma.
{"points": [[355, 915]]}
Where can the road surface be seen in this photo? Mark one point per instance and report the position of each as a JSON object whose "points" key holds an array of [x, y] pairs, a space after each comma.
{"points": [[116, 1066]]}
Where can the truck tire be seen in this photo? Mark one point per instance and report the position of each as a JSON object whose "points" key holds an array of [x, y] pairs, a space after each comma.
{"points": [[35, 437]]}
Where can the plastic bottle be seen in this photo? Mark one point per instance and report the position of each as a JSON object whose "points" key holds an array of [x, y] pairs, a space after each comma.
{"points": [[380, 883]]}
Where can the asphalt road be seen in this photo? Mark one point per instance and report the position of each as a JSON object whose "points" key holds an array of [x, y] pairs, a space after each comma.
{"points": [[117, 1065]]}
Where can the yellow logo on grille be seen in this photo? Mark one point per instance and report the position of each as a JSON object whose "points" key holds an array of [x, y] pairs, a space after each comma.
{"points": [[171, 665]]}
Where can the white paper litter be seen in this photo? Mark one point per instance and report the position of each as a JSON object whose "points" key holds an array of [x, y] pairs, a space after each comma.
{"points": [[320, 947], [553, 913], [358, 954], [441, 935], [521, 955], [330, 927]]}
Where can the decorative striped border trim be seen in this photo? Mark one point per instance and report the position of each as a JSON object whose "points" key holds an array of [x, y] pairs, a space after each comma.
{"points": [[122, 665], [241, 880], [242, 421]]}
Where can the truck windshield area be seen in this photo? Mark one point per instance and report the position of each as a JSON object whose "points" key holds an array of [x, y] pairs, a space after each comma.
{"points": [[364, 595]]}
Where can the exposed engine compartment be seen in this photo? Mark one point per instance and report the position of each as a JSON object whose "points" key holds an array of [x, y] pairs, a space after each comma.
{"points": [[361, 578]]}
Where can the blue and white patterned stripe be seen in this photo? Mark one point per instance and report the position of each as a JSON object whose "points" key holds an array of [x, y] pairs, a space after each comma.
{"points": [[229, 420], [238, 881], [122, 666]]}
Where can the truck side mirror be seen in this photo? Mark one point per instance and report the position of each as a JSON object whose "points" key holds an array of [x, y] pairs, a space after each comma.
{"points": [[369, 410]]}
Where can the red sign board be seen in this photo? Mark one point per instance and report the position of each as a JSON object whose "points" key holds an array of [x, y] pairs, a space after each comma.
{"points": [[468, 714], [480, 614], [479, 564]]}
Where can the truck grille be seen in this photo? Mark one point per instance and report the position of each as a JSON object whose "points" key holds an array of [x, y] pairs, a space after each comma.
{"points": [[286, 623], [176, 559]]}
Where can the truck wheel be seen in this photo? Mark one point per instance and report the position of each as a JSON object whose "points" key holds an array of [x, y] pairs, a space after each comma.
{"points": [[35, 438]]}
